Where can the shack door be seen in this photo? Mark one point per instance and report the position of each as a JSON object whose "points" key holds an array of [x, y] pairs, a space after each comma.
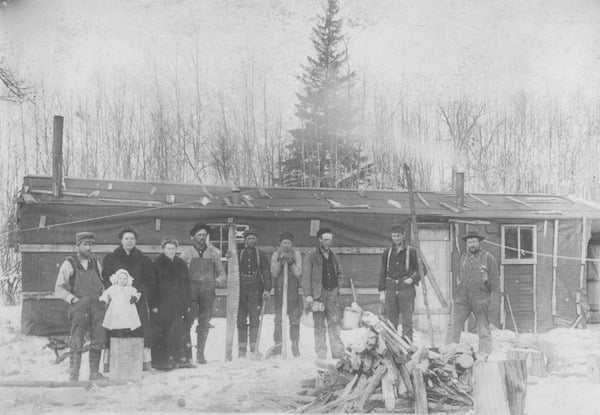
{"points": [[435, 245]]}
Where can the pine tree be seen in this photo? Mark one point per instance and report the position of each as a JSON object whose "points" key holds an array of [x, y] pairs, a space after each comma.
{"points": [[324, 151]]}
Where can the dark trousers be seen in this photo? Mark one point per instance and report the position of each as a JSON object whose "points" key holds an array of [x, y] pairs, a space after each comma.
{"points": [[461, 313], [294, 312], [249, 309], [400, 301], [168, 338], [203, 297], [86, 315], [330, 298]]}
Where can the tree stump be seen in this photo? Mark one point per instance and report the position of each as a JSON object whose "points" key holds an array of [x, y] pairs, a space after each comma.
{"points": [[535, 360], [500, 387], [592, 368], [126, 358]]}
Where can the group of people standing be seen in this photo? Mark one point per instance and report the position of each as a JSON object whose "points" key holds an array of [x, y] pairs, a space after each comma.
{"points": [[159, 300]]}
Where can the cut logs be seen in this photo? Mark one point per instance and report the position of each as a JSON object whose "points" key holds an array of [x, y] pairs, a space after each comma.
{"points": [[534, 359], [383, 364]]}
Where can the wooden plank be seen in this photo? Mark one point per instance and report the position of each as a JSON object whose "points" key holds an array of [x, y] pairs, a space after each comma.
{"points": [[156, 249], [420, 391], [87, 384], [64, 396], [535, 320], [554, 266], [514, 199], [450, 207], [480, 200], [422, 199], [233, 292]]}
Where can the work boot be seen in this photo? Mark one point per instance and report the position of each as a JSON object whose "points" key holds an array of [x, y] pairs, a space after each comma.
{"points": [[200, 345], [295, 348], [275, 350], [95, 364], [253, 348], [242, 350], [295, 337], [106, 359], [74, 365], [185, 364]]}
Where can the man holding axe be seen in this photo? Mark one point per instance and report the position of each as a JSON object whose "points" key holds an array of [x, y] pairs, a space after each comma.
{"points": [[286, 254]]}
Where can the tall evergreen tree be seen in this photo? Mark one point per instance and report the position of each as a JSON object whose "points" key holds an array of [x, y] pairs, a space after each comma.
{"points": [[324, 151]]}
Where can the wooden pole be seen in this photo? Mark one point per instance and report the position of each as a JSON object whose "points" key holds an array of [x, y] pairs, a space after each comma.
{"points": [[460, 190], [57, 156], [284, 314], [554, 266], [417, 245], [233, 290]]}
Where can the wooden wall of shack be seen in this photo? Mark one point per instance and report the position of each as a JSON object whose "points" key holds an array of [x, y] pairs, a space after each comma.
{"points": [[359, 235]]}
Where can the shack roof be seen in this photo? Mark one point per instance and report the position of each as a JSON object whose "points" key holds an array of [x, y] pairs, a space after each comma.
{"points": [[106, 192]]}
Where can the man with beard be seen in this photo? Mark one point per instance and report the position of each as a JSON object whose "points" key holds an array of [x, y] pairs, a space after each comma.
{"points": [[478, 280], [79, 283], [321, 279], [255, 284], [140, 267], [206, 274]]}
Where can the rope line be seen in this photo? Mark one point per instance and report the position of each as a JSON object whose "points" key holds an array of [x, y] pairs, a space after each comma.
{"points": [[540, 254]]}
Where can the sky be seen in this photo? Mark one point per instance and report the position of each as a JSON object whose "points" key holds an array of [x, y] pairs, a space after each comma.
{"points": [[429, 48]]}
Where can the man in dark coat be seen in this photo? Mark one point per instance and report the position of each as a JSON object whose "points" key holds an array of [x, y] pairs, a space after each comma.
{"points": [[173, 302], [255, 284], [397, 280], [477, 282], [79, 284], [140, 267]]}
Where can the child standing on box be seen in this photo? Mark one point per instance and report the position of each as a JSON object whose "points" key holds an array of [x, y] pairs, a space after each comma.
{"points": [[121, 316]]}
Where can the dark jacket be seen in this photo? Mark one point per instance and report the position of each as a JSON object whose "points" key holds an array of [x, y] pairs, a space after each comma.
{"points": [[312, 272], [173, 294], [478, 278], [138, 265], [412, 271], [264, 268]]}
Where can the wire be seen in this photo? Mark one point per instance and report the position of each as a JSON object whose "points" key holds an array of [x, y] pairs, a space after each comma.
{"points": [[540, 254]]}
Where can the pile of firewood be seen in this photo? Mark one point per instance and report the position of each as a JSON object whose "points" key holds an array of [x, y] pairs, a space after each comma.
{"points": [[384, 370]]}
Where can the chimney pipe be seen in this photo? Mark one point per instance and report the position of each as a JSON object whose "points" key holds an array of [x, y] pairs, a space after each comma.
{"points": [[460, 190], [236, 196], [57, 157]]}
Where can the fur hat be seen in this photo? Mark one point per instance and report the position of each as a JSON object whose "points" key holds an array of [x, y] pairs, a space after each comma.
{"points": [[85, 237]]}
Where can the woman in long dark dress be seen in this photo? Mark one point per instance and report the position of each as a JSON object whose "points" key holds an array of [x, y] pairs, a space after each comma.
{"points": [[173, 302], [140, 267]]}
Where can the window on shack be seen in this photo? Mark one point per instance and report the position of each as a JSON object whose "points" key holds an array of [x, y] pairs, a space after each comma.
{"points": [[519, 244], [219, 236]]}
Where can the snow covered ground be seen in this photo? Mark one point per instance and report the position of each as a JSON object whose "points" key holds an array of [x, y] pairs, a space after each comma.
{"points": [[269, 385]]}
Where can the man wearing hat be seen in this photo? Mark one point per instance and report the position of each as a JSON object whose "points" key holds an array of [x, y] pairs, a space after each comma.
{"points": [[321, 279], [477, 281], [286, 254], [206, 274], [397, 280], [255, 284], [79, 284]]}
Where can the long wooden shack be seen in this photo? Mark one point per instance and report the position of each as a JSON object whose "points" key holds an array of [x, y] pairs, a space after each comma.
{"points": [[541, 242]]}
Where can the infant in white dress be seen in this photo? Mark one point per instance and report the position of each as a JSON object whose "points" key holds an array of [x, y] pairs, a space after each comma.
{"points": [[121, 314]]}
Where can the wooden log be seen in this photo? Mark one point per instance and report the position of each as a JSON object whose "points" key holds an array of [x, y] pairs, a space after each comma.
{"points": [[388, 388], [500, 387], [67, 396], [534, 359], [420, 391], [126, 358], [374, 382], [87, 384], [592, 368]]}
